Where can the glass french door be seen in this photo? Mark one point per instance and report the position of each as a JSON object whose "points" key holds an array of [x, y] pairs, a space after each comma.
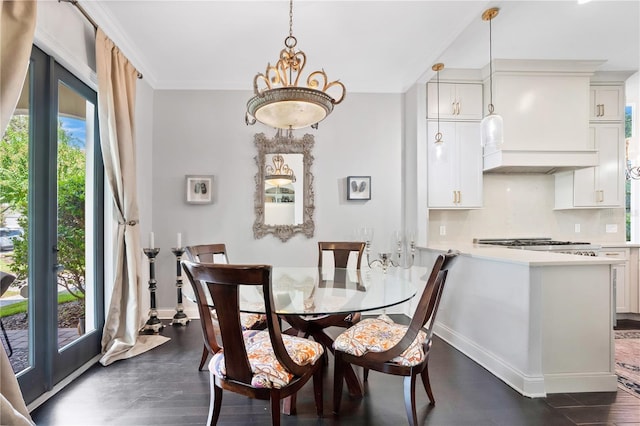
{"points": [[58, 205]]}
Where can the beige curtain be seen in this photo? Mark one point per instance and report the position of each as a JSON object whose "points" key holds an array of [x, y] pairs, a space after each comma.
{"points": [[17, 25], [116, 107]]}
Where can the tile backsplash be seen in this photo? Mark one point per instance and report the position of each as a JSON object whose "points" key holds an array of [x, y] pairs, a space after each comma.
{"points": [[521, 205]]}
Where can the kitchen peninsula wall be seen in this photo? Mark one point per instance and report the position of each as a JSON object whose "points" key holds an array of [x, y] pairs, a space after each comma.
{"points": [[521, 205]]}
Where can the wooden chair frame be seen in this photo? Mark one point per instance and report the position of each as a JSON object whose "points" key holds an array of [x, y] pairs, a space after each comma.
{"points": [[223, 282], [315, 327], [381, 361]]}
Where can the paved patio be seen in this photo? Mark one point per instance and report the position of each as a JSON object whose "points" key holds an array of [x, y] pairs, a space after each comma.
{"points": [[19, 341]]}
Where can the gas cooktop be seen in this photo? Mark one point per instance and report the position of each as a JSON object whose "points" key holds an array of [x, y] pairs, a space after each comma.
{"points": [[542, 244], [522, 242]]}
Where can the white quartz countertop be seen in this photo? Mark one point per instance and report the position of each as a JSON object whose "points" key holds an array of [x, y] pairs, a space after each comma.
{"points": [[619, 245], [525, 257]]}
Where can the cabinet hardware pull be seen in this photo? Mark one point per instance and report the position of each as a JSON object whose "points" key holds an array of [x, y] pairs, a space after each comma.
{"points": [[458, 108], [602, 114], [612, 254], [453, 108], [459, 197], [454, 197]]}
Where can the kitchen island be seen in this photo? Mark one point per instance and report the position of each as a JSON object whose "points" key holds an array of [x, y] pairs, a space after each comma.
{"points": [[541, 322]]}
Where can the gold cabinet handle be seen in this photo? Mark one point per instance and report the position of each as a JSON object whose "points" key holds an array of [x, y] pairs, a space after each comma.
{"points": [[453, 108], [612, 254], [457, 108], [459, 197], [455, 197]]}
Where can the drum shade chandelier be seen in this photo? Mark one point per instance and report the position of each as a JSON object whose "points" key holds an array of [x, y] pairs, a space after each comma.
{"points": [[491, 126], [280, 102], [280, 173]]}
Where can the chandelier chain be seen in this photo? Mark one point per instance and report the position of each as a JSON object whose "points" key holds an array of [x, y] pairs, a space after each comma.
{"points": [[490, 69], [290, 18]]}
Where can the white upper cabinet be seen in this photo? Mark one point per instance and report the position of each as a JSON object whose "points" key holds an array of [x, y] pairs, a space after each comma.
{"points": [[458, 101], [454, 166], [606, 103], [599, 186]]}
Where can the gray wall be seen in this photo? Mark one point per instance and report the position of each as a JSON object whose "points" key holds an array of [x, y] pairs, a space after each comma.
{"points": [[203, 132]]}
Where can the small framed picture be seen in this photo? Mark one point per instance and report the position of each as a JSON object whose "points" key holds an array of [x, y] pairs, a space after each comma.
{"points": [[358, 187], [199, 189]]}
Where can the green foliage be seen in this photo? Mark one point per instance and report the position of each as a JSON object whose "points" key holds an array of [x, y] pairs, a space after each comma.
{"points": [[21, 307], [14, 186]]}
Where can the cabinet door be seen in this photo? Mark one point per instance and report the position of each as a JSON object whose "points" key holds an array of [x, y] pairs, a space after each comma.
{"points": [[443, 166], [446, 101], [470, 166], [602, 186], [606, 103], [458, 101], [619, 277], [455, 166], [469, 101]]}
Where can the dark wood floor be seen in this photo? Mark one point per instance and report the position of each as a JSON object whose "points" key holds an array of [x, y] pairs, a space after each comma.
{"points": [[163, 387]]}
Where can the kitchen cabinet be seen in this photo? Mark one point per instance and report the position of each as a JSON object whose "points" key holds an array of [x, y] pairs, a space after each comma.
{"points": [[619, 277], [458, 101], [454, 166], [599, 186], [606, 103]]}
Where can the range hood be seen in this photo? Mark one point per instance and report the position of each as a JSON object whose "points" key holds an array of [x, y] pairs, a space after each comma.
{"points": [[545, 108], [536, 161]]}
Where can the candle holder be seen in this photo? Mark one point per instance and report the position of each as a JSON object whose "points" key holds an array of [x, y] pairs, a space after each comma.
{"points": [[180, 318], [388, 259], [153, 324]]}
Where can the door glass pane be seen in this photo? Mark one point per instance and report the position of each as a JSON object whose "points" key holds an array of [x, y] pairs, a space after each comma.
{"points": [[74, 219], [14, 196]]}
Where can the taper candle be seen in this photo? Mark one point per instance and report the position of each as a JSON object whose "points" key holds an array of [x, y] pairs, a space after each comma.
{"points": [[179, 240], [152, 243]]}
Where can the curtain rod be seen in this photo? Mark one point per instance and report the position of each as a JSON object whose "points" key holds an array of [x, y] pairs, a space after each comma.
{"points": [[89, 18]]}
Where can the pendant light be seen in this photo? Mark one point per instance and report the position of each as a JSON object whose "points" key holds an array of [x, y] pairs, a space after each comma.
{"points": [[491, 127], [279, 101], [437, 68]]}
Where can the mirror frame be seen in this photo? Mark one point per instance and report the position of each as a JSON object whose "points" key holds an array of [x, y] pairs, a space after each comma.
{"points": [[280, 144]]}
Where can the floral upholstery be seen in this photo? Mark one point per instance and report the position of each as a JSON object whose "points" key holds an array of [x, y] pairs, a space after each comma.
{"points": [[267, 371], [378, 335], [247, 321]]}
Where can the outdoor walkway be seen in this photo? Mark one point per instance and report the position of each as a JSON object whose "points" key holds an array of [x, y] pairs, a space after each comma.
{"points": [[19, 340]]}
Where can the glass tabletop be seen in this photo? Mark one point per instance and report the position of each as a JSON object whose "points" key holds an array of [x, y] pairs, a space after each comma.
{"points": [[314, 291]]}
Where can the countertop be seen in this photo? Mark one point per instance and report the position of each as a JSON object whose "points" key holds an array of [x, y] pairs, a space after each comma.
{"points": [[519, 256]]}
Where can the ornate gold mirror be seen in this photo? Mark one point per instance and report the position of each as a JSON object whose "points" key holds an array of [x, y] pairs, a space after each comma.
{"points": [[284, 201]]}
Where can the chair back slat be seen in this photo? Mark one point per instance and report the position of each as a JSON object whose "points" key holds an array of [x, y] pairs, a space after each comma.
{"points": [[341, 251], [223, 282], [425, 311], [207, 253]]}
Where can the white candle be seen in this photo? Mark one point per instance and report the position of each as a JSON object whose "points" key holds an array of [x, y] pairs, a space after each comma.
{"points": [[152, 243], [179, 240]]}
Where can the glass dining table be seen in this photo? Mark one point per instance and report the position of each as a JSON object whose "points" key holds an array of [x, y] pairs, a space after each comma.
{"points": [[300, 292]]}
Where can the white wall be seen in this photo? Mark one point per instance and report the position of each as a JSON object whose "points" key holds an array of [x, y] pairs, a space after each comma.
{"points": [[203, 132]]}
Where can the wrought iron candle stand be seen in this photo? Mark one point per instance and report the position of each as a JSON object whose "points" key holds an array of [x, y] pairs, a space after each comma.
{"points": [[153, 324], [180, 318]]}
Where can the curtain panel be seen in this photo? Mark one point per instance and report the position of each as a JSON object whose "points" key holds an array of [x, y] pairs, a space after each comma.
{"points": [[116, 110], [17, 26]]}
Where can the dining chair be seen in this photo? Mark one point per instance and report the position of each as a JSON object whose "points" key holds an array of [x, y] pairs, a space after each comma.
{"points": [[341, 252], [217, 253], [261, 364], [380, 344]]}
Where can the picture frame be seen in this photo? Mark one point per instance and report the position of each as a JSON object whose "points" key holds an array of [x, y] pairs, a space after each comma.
{"points": [[358, 187], [199, 189]]}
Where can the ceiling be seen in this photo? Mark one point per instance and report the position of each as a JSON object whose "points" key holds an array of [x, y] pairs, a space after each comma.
{"points": [[371, 46]]}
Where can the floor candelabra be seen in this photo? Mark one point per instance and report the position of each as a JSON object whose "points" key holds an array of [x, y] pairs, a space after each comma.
{"points": [[153, 324], [180, 318]]}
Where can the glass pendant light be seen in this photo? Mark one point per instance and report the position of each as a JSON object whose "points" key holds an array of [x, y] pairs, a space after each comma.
{"points": [[491, 127]]}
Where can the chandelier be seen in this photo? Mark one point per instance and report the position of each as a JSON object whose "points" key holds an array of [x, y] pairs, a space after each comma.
{"points": [[402, 254], [280, 102], [280, 173]]}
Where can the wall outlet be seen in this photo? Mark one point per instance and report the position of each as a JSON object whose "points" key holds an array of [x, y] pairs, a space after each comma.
{"points": [[443, 230], [577, 228], [611, 228]]}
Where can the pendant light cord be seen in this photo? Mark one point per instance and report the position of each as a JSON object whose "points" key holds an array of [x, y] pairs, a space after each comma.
{"points": [[490, 70]]}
